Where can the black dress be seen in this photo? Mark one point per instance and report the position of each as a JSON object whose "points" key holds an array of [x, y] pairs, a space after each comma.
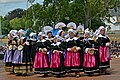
{"points": [[32, 49], [8, 56], [22, 60], [57, 58], [41, 63], [90, 64], [48, 43], [72, 60], [104, 56]]}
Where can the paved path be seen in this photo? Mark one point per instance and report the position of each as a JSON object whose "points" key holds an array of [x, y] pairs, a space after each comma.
{"points": [[115, 74]]}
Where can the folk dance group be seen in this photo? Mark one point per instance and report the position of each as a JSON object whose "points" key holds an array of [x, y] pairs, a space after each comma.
{"points": [[58, 55]]}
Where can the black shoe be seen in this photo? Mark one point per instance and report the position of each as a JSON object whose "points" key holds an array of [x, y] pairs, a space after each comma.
{"points": [[45, 75], [101, 72], [24, 74], [59, 76], [90, 74], [19, 74]]}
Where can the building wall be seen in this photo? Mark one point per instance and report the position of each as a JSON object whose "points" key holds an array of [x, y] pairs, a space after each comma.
{"points": [[113, 27]]}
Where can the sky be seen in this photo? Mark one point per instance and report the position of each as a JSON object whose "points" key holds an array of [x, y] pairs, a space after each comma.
{"points": [[9, 5]]}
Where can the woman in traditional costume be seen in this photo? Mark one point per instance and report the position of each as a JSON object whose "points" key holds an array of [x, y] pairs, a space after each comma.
{"points": [[72, 60], [59, 26], [48, 43], [103, 45], [61, 36], [90, 64], [57, 58], [32, 46], [41, 64], [49, 39], [9, 52], [73, 26], [21, 58]]}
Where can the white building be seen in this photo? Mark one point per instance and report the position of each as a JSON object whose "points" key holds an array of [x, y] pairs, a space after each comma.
{"points": [[116, 23], [114, 20]]}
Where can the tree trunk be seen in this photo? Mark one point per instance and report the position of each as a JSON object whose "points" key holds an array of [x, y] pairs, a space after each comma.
{"points": [[87, 19]]}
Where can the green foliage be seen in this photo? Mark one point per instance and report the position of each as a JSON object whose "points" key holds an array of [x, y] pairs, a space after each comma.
{"points": [[87, 12], [5, 25], [17, 23], [15, 13], [80, 11]]}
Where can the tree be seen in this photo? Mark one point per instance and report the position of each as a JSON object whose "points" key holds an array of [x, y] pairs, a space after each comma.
{"points": [[5, 25], [15, 13], [95, 9], [17, 23], [87, 12], [84, 11]]}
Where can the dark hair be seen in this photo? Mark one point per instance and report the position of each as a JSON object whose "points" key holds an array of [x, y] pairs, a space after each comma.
{"points": [[49, 32], [15, 39], [60, 33], [9, 42], [24, 40]]}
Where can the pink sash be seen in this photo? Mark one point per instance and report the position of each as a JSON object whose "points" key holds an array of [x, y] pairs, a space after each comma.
{"points": [[103, 51], [55, 60], [89, 60], [40, 61]]}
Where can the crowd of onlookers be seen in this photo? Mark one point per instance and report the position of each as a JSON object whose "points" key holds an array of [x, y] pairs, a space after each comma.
{"points": [[115, 49], [115, 44]]}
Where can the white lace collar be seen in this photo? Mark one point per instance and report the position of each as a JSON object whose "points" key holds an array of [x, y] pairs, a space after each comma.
{"points": [[74, 38], [101, 36], [43, 40], [56, 44], [88, 39]]}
